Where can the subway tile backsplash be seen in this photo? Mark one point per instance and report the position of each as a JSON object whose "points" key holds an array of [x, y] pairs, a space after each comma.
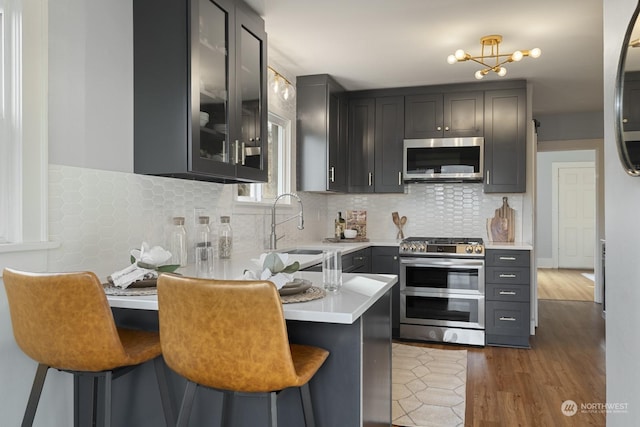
{"points": [[99, 216]]}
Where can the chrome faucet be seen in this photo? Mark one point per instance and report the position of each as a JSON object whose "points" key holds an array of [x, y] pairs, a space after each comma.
{"points": [[273, 240]]}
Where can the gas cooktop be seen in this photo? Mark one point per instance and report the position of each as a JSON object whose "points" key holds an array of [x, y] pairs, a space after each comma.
{"points": [[440, 246]]}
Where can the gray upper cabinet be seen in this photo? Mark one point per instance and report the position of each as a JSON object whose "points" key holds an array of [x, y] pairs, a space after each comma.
{"points": [[389, 134], [361, 145], [376, 131], [321, 134], [437, 115], [505, 141], [200, 106]]}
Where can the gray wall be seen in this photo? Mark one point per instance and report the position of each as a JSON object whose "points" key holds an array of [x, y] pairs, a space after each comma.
{"points": [[623, 232], [570, 126]]}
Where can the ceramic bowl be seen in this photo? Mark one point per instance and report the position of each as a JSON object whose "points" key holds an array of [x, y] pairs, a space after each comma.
{"points": [[350, 234]]}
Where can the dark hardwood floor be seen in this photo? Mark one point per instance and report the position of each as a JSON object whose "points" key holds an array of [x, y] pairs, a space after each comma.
{"points": [[526, 387]]}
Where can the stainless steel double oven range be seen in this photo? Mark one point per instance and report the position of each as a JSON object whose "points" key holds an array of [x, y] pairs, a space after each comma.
{"points": [[442, 293]]}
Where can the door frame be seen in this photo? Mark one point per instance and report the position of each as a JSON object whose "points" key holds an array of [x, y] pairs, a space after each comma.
{"points": [[596, 144], [555, 206]]}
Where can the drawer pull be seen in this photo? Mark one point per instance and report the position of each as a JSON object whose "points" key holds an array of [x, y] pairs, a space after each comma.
{"points": [[508, 293], [507, 258], [507, 319], [507, 276]]}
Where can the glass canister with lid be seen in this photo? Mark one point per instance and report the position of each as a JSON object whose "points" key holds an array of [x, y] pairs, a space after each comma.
{"points": [[225, 238]]}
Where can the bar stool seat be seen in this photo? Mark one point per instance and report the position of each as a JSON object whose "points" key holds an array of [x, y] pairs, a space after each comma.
{"points": [[63, 321], [231, 336]]}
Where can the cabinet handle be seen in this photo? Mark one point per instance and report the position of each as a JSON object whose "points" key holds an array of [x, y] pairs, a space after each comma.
{"points": [[507, 319], [400, 178], [439, 128], [507, 276], [236, 158], [507, 258], [507, 293], [446, 128], [395, 257], [488, 180], [625, 120], [358, 258], [332, 174], [243, 155], [370, 179]]}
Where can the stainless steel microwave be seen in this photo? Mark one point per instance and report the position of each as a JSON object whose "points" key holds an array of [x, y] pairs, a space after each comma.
{"points": [[443, 159]]}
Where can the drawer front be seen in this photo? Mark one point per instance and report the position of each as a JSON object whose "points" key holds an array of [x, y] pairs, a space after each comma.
{"points": [[507, 318], [515, 258], [506, 275], [516, 293]]}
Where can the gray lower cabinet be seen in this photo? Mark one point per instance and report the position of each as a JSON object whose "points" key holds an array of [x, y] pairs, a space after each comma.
{"points": [[508, 297], [385, 260], [357, 262]]}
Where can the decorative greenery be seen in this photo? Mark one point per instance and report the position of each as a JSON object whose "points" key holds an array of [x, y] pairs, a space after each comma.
{"points": [[169, 268], [274, 263]]}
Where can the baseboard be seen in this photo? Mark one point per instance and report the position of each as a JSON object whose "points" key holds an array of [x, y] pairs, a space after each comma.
{"points": [[545, 262]]}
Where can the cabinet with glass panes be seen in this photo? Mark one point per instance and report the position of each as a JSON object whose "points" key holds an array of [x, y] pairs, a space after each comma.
{"points": [[200, 107]]}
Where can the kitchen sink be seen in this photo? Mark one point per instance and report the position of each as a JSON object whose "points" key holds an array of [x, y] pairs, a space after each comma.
{"points": [[301, 251]]}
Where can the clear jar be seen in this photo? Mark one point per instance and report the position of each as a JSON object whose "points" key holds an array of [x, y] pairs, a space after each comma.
{"points": [[225, 238], [178, 242], [204, 249]]}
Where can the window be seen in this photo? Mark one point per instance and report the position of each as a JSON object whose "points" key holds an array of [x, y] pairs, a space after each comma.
{"points": [[23, 124], [278, 149]]}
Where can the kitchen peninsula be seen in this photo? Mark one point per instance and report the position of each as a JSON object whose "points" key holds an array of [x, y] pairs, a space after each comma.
{"points": [[353, 388]]}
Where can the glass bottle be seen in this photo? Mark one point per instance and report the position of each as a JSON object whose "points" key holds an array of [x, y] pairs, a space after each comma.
{"points": [[343, 224], [178, 242], [204, 249], [225, 238]]}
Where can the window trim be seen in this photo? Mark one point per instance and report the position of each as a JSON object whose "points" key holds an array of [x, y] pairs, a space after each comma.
{"points": [[284, 172], [27, 28]]}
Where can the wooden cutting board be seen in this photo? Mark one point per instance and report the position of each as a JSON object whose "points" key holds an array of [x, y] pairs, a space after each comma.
{"points": [[501, 228]]}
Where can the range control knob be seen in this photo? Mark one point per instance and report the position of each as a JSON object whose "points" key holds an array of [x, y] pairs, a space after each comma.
{"points": [[478, 249], [468, 249]]}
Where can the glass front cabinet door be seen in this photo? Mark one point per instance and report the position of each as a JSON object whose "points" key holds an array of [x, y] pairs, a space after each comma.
{"points": [[228, 81], [200, 107]]}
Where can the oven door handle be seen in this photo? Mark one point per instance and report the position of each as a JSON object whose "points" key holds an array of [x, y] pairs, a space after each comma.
{"points": [[437, 262]]}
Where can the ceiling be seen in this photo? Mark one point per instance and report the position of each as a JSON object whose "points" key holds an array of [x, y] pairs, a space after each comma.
{"points": [[373, 44]]}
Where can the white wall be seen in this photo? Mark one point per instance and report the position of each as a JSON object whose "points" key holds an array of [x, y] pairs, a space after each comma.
{"points": [[622, 201]]}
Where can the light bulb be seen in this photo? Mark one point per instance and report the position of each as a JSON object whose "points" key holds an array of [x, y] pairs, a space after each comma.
{"points": [[276, 84], [287, 93], [516, 56], [479, 75], [535, 53], [451, 59], [502, 71], [460, 54]]}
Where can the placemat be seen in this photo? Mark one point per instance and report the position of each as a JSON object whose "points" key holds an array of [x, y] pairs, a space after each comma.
{"points": [[109, 289], [310, 294]]}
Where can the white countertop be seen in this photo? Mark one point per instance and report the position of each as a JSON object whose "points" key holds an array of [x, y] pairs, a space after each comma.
{"points": [[359, 292], [508, 245]]}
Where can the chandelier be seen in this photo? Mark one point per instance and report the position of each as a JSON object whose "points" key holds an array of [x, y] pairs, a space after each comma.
{"points": [[281, 86], [491, 51]]}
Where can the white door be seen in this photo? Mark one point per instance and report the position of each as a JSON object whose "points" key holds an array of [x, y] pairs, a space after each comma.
{"points": [[576, 217]]}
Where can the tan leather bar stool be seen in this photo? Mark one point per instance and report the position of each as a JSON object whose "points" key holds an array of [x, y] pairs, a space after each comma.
{"points": [[231, 336], [63, 321]]}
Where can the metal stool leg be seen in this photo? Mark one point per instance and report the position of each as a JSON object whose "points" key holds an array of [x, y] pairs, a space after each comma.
{"points": [[107, 378], [227, 407], [34, 396], [187, 404], [167, 403], [273, 409], [307, 407]]}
